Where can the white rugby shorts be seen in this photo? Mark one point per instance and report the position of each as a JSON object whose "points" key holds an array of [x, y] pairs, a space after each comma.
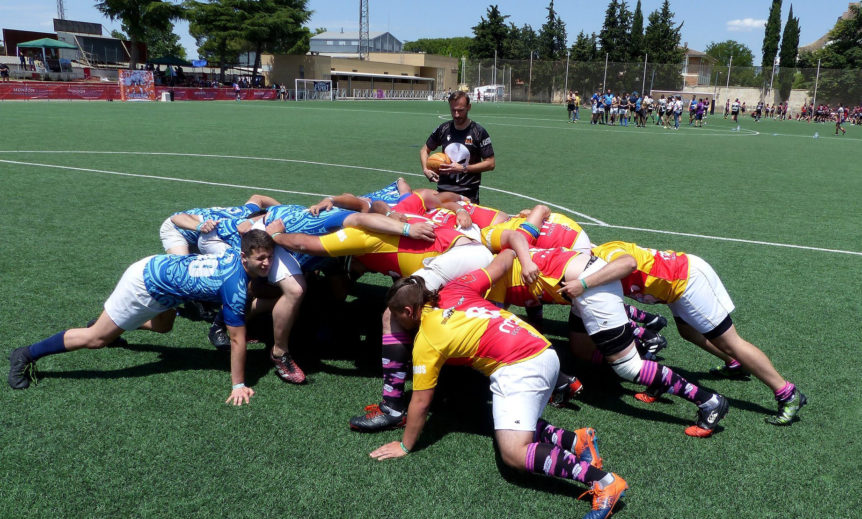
{"points": [[130, 305], [170, 235], [600, 308], [705, 302], [453, 264], [522, 390]]}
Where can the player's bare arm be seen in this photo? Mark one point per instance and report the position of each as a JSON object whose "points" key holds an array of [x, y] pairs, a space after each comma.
{"points": [[417, 414], [240, 393], [380, 223], [423, 160], [616, 270], [263, 201], [191, 223]]}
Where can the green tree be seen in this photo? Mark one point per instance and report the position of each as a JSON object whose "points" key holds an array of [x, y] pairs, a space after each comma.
{"points": [[520, 42], [273, 26], [489, 35], [158, 42], [722, 51], [787, 56], [138, 17], [662, 43], [636, 38], [215, 26], [552, 36], [585, 48], [614, 36], [586, 68], [771, 36], [455, 47], [662, 38], [844, 54]]}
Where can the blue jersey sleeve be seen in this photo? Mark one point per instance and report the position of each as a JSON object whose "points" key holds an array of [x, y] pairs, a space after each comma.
{"points": [[234, 293]]}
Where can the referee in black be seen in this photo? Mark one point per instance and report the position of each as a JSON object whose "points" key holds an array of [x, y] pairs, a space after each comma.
{"points": [[467, 144]]}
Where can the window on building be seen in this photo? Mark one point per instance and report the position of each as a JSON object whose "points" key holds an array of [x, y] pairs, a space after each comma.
{"points": [[330, 42]]}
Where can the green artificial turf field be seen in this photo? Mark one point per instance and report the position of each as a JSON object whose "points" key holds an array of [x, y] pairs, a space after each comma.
{"points": [[143, 431]]}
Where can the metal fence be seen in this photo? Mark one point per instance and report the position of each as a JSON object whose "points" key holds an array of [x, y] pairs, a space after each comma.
{"points": [[547, 81]]}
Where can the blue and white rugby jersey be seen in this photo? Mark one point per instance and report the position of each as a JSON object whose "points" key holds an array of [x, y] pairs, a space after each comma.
{"points": [[227, 231], [172, 279], [388, 194], [216, 213], [297, 218]]}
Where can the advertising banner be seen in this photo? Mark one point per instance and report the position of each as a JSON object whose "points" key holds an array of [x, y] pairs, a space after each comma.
{"points": [[137, 85]]}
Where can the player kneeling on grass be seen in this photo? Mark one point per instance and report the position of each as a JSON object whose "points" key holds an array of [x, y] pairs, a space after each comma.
{"points": [[457, 324], [145, 299], [701, 308]]}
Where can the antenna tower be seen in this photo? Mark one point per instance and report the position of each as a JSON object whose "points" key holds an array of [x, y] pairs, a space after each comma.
{"points": [[364, 39], [61, 11]]}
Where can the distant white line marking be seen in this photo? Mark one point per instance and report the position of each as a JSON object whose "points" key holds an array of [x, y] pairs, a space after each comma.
{"points": [[593, 221]]}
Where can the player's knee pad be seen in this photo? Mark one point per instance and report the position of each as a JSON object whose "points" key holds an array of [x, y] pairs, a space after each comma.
{"points": [[628, 366], [613, 340]]}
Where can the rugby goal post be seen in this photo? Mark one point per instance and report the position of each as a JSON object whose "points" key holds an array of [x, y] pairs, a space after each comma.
{"points": [[314, 90]]}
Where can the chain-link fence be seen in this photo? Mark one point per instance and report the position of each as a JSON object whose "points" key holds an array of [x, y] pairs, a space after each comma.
{"points": [[545, 81]]}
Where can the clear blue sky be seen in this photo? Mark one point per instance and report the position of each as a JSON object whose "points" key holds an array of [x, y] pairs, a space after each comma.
{"points": [[705, 20]]}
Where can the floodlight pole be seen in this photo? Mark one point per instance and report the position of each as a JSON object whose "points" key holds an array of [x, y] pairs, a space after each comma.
{"points": [[774, 62], [566, 88], [605, 78], [464, 69], [643, 83], [816, 81], [530, 81], [729, 66], [494, 73]]}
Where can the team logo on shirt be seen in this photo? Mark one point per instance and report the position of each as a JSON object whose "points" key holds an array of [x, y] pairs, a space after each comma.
{"points": [[469, 140]]}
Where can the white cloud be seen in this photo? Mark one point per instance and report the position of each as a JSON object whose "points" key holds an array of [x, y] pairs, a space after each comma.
{"points": [[745, 25]]}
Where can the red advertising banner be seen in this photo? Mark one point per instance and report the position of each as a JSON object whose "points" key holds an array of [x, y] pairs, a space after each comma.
{"points": [[137, 85], [24, 90]]}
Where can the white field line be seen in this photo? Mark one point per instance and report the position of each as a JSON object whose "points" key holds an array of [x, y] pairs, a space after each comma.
{"points": [[594, 221], [239, 157]]}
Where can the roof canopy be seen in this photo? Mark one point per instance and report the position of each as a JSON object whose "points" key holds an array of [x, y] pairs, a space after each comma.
{"points": [[46, 43], [170, 60]]}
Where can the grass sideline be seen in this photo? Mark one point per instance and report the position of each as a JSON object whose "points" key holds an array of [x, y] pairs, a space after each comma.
{"points": [[143, 431]]}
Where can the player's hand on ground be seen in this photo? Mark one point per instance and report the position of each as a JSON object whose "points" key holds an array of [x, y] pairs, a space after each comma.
{"points": [[240, 395], [324, 205], [529, 272], [422, 231], [431, 175], [207, 226], [572, 289], [390, 450], [463, 219]]}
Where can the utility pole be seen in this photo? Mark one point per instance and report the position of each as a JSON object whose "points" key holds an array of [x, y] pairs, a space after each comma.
{"points": [[364, 39]]}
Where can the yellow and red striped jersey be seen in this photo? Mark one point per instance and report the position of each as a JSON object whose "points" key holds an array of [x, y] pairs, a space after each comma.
{"points": [[469, 330], [552, 263], [385, 253], [661, 275], [557, 231]]}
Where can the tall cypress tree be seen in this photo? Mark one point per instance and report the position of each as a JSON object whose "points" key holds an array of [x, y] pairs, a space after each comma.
{"points": [[552, 36], [636, 38], [771, 37], [787, 56], [490, 35]]}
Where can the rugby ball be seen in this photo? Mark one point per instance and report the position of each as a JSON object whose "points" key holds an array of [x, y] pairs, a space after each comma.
{"points": [[436, 160]]}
